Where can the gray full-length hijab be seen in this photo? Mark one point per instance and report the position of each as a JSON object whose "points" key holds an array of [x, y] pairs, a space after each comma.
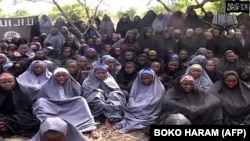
{"points": [[144, 104], [64, 101]]}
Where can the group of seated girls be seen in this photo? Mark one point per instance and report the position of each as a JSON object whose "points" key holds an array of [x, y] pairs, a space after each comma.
{"points": [[41, 104]]}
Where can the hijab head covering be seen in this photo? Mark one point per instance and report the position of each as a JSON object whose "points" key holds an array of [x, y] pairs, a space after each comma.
{"points": [[177, 119], [60, 125], [187, 78], [100, 67], [6, 63], [147, 71], [61, 70], [203, 81], [6, 75]]}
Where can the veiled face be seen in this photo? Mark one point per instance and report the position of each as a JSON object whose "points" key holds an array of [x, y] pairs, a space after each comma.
{"points": [[7, 83], [117, 51], [195, 72], [72, 67], [231, 57], [62, 77], [38, 68], [231, 81], [156, 66], [100, 74], [146, 79], [40, 54], [187, 85], [173, 65], [66, 52], [210, 66], [129, 68], [128, 55]]}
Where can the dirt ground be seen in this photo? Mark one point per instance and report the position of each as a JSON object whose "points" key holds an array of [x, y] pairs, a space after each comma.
{"points": [[106, 134]]}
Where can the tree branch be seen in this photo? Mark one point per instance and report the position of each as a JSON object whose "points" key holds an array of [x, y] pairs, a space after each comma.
{"points": [[202, 9], [92, 20], [164, 5], [66, 17]]}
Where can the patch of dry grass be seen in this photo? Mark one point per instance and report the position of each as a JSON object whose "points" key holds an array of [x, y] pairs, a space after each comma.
{"points": [[106, 134]]}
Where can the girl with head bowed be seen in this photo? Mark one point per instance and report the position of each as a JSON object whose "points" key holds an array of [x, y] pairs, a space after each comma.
{"points": [[33, 78], [126, 77], [234, 95], [57, 129], [62, 97], [113, 65], [200, 76], [104, 96], [144, 104], [197, 106], [5, 63], [16, 117]]}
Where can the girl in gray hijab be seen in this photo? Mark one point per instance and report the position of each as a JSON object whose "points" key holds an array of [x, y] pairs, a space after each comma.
{"points": [[104, 96], [145, 102], [55, 128], [62, 97]]}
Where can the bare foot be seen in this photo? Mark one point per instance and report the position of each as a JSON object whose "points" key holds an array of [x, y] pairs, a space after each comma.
{"points": [[95, 134]]}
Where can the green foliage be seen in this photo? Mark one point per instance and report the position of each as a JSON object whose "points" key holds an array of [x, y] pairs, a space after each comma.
{"points": [[215, 7], [21, 13], [182, 5], [131, 12], [74, 10], [157, 8]]}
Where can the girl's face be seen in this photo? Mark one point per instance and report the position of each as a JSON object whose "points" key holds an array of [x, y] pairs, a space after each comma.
{"points": [[111, 63], [183, 54], [208, 35], [149, 33], [146, 79], [40, 54], [62, 77], [231, 81], [187, 85], [210, 66], [231, 57], [129, 68], [173, 65], [67, 53], [72, 67], [152, 56], [91, 53], [70, 41], [7, 83], [82, 62], [100, 74], [209, 54], [195, 72], [108, 48], [117, 51], [142, 60], [2, 59], [128, 55], [198, 30], [38, 68], [156, 66], [23, 49]]}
